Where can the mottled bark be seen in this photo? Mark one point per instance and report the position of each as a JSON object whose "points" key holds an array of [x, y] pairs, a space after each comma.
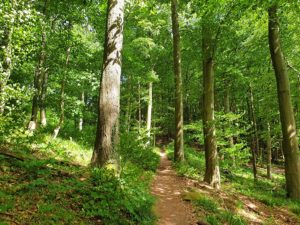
{"points": [[288, 125], [109, 96], [178, 140], [212, 171]]}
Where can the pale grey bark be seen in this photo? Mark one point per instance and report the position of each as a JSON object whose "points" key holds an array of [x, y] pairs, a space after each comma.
{"points": [[109, 96]]}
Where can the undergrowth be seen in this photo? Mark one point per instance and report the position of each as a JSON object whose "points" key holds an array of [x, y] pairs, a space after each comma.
{"points": [[46, 181]]}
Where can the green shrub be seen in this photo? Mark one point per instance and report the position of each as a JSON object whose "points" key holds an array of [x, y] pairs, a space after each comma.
{"points": [[133, 150]]}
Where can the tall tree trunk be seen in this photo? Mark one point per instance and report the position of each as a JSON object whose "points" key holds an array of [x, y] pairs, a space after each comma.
{"points": [[149, 114], [269, 152], [109, 96], [139, 106], [227, 110], [288, 125], [62, 97], [254, 125], [178, 142], [6, 64], [212, 171], [253, 139], [44, 84], [40, 80]]}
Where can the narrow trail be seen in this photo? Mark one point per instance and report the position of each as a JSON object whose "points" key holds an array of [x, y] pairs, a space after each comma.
{"points": [[170, 208]]}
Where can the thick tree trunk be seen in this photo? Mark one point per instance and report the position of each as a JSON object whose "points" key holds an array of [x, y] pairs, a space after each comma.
{"points": [[269, 152], [109, 99], [149, 114], [288, 125], [212, 171], [178, 142], [62, 97]]}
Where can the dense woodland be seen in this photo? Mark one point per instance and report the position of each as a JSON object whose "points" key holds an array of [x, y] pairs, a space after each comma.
{"points": [[94, 93]]}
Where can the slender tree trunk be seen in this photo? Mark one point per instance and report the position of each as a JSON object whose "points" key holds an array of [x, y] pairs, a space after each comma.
{"points": [[109, 96], [253, 139], [254, 125], [212, 171], [129, 108], [269, 152], [139, 107], [62, 97], [80, 124], [227, 110], [43, 99], [149, 114], [178, 142], [288, 125], [40, 80]]}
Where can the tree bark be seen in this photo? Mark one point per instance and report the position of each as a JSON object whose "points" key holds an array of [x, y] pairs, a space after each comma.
{"points": [[288, 125], [212, 171], [109, 96], [178, 142]]}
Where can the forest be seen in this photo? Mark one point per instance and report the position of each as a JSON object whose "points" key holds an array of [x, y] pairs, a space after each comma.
{"points": [[150, 112]]}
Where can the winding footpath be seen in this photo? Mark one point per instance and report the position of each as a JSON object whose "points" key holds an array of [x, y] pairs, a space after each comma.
{"points": [[170, 208]]}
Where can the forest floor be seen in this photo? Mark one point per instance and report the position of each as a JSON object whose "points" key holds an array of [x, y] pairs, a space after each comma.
{"points": [[183, 200]]}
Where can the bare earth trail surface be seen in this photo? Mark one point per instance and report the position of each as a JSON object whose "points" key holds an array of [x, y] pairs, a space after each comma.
{"points": [[170, 208]]}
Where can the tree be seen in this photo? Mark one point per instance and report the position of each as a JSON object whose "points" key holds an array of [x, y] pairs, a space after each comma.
{"points": [[178, 142], [109, 96], [288, 125], [212, 172]]}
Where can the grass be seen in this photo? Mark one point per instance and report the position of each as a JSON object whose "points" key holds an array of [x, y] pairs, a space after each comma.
{"points": [[52, 183]]}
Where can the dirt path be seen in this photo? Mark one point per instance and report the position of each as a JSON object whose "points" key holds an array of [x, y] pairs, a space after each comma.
{"points": [[170, 208]]}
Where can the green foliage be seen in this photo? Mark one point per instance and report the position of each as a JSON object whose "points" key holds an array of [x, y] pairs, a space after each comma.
{"points": [[207, 204], [194, 164], [132, 149]]}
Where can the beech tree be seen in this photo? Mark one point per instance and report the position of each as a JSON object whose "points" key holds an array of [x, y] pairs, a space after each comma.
{"points": [[212, 171], [288, 125], [178, 140], [109, 96]]}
